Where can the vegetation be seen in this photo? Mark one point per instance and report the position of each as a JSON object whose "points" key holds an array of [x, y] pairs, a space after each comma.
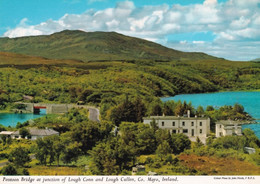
{"points": [[114, 154], [91, 46], [125, 80]]}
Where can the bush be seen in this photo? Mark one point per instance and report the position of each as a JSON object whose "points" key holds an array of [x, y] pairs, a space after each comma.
{"points": [[25, 172], [9, 170]]}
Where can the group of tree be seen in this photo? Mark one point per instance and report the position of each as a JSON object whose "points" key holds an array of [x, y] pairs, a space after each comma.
{"points": [[70, 145], [135, 139], [128, 111], [18, 159]]}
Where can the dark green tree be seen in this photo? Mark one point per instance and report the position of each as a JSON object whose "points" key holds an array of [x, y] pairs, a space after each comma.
{"points": [[24, 133], [180, 142], [163, 149], [19, 156], [9, 170]]}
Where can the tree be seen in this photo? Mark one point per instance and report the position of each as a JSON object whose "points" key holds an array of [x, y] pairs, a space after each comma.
{"points": [[180, 142], [210, 108], [58, 148], [24, 133], [140, 109], [179, 110], [71, 152], [251, 139], [19, 156], [87, 133], [104, 159], [45, 151], [167, 110], [154, 125], [145, 139], [163, 150], [156, 110], [200, 111], [238, 108], [9, 170]]}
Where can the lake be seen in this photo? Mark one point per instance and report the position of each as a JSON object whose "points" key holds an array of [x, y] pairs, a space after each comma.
{"points": [[250, 101], [11, 119]]}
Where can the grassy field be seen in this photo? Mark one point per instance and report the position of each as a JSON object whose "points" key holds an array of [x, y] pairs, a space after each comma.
{"points": [[201, 165], [219, 166]]}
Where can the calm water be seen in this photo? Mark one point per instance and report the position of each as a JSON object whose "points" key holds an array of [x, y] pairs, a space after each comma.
{"points": [[250, 101], [8, 119]]}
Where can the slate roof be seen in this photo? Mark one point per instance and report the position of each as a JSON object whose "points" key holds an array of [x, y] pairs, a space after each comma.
{"points": [[6, 133], [174, 118], [39, 132]]}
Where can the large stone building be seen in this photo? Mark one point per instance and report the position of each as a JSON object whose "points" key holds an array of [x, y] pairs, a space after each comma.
{"points": [[193, 127], [225, 128]]}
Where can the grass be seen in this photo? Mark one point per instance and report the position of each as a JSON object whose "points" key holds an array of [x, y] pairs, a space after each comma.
{"points": [[39, 170], [201, 165], [219, 166]]}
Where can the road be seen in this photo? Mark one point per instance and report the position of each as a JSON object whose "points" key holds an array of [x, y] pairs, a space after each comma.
{"points": [[93, 114]]}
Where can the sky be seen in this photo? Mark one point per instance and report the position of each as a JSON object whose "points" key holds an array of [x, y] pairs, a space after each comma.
{"points": [[224, 28]]}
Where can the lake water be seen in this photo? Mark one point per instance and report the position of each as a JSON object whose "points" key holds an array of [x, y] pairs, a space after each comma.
{"points": [[11, 119], [250, 101]]}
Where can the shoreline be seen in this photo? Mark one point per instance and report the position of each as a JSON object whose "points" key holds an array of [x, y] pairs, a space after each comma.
{"points": [[221, 91]]}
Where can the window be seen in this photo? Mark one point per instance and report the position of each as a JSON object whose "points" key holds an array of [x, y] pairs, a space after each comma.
{"points": [[201, 123], [163, 123], [219, 126], [183, 123], [173, 123], [200, 131], [185, 130], [174, 131], [192, 123]]}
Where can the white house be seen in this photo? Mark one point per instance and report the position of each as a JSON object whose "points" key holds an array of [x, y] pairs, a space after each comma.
{"points": [[6, 133], [193, 127], [36, 133], [224, 128]]}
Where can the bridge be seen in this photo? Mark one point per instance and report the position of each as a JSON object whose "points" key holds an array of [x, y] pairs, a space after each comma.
{"points": [[60, 109]]}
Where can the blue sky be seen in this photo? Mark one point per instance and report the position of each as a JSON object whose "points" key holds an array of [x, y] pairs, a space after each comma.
{"points": [[223, 28]]}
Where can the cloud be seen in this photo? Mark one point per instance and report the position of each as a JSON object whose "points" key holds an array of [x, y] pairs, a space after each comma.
{"points": [[233, 22], [94, 1]]}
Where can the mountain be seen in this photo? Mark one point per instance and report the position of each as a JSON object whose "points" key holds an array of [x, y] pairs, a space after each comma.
{"points": [[94, 46], [256, 60]]}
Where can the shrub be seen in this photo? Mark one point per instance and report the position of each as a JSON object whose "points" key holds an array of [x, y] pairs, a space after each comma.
{"points": [[9, 170]]}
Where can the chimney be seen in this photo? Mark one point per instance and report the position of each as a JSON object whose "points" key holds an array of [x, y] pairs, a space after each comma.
{"points": [[188, 113]]}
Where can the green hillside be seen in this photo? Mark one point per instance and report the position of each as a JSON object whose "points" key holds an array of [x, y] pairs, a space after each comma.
{"points": [[110, 73], [8, 58], [93, 46]]}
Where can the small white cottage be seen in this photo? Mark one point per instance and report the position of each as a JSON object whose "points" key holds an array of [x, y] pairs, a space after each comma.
{"points": [[225, 128]]}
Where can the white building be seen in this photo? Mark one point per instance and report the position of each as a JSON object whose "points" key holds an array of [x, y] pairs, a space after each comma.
{"points": [[193, 127], [6, 133], [36, 133], [225, 128]]}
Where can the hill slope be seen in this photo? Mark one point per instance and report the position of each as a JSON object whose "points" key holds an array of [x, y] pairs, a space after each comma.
{"points": [[8, 58], [93, 46]]}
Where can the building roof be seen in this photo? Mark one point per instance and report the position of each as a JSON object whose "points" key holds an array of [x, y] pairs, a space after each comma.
{"points": [[39, 132], [230, 122], [6, 133], [174, 118]]}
